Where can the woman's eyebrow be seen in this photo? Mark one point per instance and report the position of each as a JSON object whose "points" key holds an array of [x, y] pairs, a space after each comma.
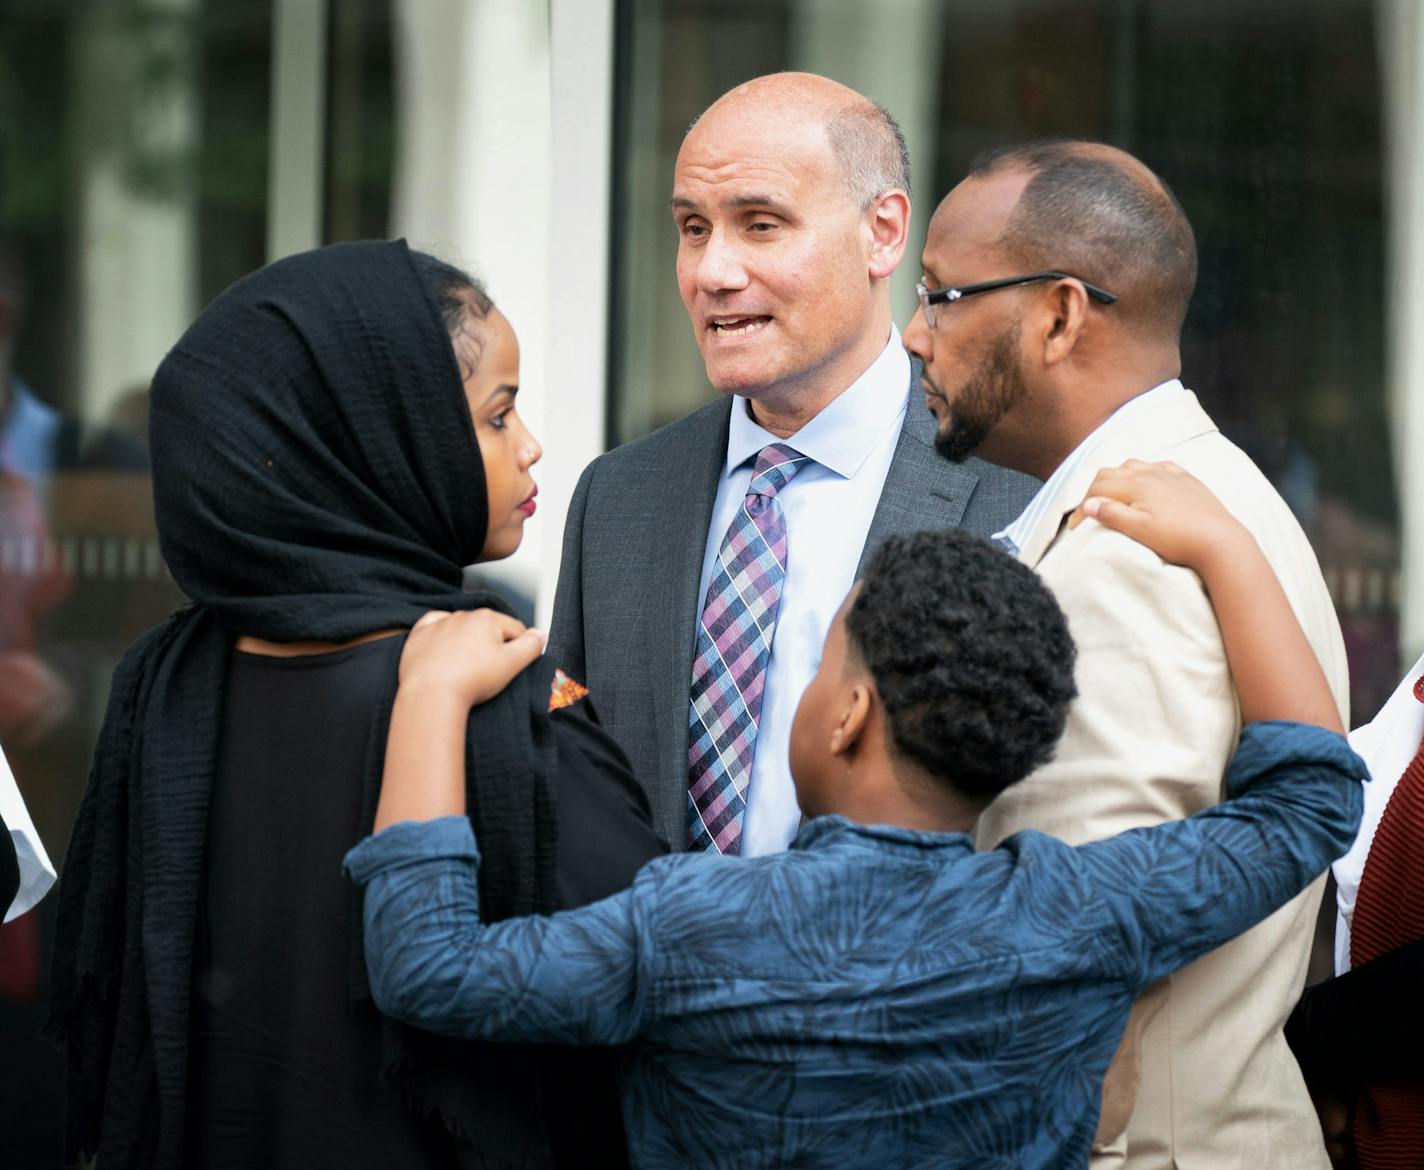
{"points": [[502, 388]]}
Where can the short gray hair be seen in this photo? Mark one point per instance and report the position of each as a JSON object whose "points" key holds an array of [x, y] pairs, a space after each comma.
{"points": [[870, 146]]}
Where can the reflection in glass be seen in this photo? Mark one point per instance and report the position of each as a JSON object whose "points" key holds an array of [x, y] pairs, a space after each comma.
{"points": [[134, 140]]}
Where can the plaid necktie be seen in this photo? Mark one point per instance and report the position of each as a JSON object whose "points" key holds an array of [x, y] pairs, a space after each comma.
{"points": [[733, 645]]}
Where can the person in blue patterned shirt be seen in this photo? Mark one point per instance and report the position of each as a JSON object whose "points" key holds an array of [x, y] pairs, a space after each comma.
{"points": [[881, 994]]}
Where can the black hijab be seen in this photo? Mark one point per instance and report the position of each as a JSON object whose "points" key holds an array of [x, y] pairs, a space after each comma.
{"points": [[316, 477]]}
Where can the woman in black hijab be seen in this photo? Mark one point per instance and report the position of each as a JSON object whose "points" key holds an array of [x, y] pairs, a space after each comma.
{"points": [[333, 440]]}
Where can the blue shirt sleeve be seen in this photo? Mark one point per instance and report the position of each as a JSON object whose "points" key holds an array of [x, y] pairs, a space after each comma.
{"points": [[1183, 888], [573, 978]]}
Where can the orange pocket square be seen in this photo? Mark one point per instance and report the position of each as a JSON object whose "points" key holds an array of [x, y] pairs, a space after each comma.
{"points": [[565, 692]]}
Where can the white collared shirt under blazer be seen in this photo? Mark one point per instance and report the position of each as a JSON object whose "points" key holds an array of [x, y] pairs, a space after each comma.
{"points": [[828, 508], [1147, 740]]}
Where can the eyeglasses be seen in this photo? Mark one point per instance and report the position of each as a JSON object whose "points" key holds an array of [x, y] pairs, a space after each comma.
{"points": [[929, 297]]}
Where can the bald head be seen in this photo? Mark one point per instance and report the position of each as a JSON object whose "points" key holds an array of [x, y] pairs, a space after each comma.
{"points": [[791, 217], [1101, 214], [863, 136]]}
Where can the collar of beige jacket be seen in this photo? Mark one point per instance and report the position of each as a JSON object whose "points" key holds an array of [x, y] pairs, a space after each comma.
{"points": [[1149, 432]]}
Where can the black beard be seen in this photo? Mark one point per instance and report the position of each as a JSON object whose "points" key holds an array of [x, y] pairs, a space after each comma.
{"points": [[960, 440], [994, 389]]}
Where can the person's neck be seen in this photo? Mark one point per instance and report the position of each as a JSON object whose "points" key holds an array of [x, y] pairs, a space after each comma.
{"points": [[783, 421], [250, 645], [877, 797], [1086, 413]]}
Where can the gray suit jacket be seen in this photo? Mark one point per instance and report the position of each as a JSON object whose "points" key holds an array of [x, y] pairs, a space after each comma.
{"points": [[625, 614]]}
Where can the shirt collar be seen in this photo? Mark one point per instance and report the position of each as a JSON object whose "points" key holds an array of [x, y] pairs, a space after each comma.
{"points": [[1016, 536], [843, 435], [828, 830]]}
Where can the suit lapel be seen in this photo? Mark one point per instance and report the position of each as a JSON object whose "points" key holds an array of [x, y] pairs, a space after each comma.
{"points": [[678, 545], [922, 489], [1068, 497]]}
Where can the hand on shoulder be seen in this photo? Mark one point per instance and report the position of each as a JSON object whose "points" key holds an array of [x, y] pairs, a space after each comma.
{"points": [[1165, 508], [470, 655], [1174, 514]]}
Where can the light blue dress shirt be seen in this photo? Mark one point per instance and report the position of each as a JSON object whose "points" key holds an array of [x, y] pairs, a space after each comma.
{"points": [[828, 509], [873, 997]]}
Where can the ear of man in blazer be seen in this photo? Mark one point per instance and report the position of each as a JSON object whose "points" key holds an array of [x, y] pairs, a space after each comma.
{"points": [[1056, 280], [791, 199]]}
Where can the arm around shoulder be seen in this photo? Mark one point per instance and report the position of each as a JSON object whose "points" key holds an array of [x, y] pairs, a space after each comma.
{"points": [[1183, 888], [1171, 512], [571, 978], [1152, 728]]}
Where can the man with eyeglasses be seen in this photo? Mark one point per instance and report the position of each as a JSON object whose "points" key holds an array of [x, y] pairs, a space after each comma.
{"points": [[702, 564], [1056, 280]]}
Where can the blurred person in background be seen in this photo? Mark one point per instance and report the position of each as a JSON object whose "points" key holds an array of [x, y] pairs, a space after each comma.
{"points": [[39, 447], [54, 470], [34, 439]]}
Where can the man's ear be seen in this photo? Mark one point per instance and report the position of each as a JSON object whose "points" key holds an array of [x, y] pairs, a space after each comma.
{"points": [[1067, 305], [855, 715], [889, 223]]}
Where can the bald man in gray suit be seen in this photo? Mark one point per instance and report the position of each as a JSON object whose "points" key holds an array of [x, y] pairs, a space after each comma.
{"points": [[792, 204]]}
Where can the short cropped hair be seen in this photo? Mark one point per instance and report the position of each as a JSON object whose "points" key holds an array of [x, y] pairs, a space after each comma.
{"points": [[1086, 212], [971, 657], [869, 145]]}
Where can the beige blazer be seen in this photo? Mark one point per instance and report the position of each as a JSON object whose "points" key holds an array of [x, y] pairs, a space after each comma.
{"points": [[1147, 740]]}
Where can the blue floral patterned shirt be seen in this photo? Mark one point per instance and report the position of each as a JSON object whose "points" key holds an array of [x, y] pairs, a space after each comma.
{"points": [[874, 997]]}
